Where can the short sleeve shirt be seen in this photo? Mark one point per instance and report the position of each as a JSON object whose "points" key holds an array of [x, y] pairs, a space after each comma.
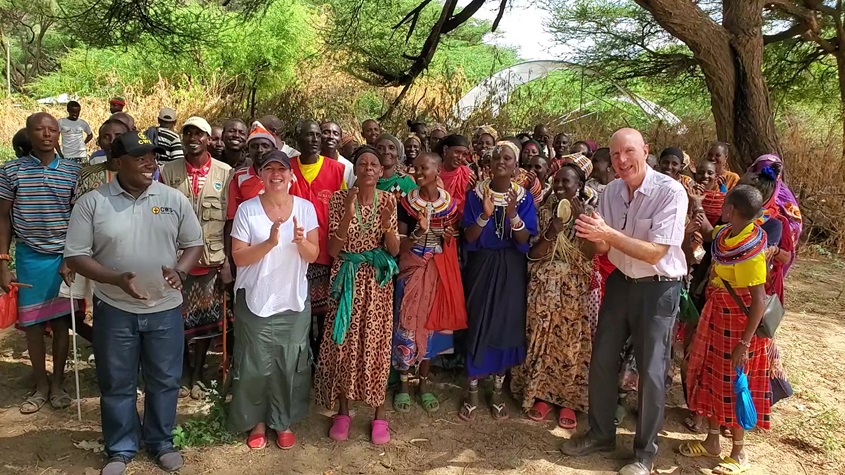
{"points": [[266, 297], [41, 200], [244, 185], [655, 213], [137, 235], [74, 133]]}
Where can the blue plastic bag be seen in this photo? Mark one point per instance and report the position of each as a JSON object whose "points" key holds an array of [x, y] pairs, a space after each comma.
{"points": [[746, 413]]}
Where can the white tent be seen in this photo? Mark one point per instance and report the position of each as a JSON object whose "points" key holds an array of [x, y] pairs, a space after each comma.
{"points": [[496, 90]]}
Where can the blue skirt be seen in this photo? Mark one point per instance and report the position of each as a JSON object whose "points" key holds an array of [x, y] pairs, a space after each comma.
{"points": [[495, 285]]}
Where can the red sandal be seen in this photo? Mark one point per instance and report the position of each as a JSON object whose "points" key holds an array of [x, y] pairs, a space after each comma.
{"points": [[567, 414], [256, 441], [540, 407], [285, 440]]}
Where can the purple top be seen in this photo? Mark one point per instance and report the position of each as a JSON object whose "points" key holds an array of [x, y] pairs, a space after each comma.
{"points": [[488, 239]]}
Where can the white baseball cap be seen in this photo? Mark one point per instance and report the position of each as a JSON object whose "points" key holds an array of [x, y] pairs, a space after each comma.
{"points": [[197, 122]]}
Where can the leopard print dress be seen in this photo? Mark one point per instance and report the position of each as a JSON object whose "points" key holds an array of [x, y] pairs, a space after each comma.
{"points": [[360, 366]]}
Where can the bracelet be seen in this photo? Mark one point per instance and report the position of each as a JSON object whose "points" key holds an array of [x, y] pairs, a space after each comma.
{"points": [[336, 236], [546, 238], [746, 344], [416, 236], [481, 222], [515, 220], [518, 227], [5, 257]]}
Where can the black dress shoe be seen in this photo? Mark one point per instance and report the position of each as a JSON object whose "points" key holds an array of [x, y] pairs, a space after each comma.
{"points": [[637, 468], [586, 445]]}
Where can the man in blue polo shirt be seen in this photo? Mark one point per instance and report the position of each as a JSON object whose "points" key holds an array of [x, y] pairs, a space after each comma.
{"points": [[126, 236]]}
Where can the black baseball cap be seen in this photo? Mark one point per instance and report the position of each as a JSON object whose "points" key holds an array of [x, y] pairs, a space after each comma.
{"points": [[133, 144], [275, 156]]}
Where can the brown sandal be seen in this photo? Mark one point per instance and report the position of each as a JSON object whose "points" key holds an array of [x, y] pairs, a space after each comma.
{"points": [[33, 403], [60, 400], [467, 412], [500, 410]]}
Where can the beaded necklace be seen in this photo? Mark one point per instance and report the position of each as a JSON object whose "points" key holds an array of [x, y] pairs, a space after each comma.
{"points": [[500, 204], [367, 225]]}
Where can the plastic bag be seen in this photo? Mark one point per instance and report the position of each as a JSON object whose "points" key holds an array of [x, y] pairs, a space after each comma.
{"points": [[9, 308], [687, 312], [746, 413]]}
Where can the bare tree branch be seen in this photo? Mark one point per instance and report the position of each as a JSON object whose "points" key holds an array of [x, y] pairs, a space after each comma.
{"points": [[795, 30], [413, 16], [499, 15]]}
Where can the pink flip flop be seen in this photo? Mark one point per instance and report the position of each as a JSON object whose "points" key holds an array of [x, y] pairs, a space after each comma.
{"points": [[340, 428], [380, 434]]}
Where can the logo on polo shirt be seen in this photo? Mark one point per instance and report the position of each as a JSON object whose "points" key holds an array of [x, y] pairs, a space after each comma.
{"points": [[163, 210]]}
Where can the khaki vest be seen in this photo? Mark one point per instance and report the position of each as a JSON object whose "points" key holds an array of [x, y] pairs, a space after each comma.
{"points": [[210, 205]]}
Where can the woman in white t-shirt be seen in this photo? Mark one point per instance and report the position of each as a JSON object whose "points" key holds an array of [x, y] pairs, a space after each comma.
{"points": [[274, 238]]}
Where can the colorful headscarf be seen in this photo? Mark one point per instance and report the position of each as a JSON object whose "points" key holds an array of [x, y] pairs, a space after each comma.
{"points": [[584, 164], [506, 144], [784, 198], [489, 130]]}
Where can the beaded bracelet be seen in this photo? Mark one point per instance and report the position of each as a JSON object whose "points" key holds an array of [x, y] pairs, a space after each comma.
{"points": [[481, 222]]}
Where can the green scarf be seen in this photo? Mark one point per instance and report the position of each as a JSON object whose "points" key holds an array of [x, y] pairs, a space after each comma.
{"points": [[400, 180], [343, 286]]}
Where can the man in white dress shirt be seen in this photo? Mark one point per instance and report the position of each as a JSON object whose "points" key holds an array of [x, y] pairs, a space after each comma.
{"points": [[640, 225]]}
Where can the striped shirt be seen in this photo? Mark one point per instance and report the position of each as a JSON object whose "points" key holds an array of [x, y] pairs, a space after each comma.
{"points": [[169, 141], [41, 200]]}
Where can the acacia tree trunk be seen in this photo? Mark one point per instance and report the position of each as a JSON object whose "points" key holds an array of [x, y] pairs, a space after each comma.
{"points": [[731, 57]]}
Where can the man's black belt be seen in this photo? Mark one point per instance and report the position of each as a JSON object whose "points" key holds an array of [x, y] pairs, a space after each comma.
{"points": [[651, 278]]}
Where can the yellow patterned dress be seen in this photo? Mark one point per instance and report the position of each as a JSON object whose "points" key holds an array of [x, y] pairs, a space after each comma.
{"points": [[558, 332]]}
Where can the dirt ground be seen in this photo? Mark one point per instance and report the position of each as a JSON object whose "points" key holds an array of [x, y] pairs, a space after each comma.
{"points": [[807, 436]]}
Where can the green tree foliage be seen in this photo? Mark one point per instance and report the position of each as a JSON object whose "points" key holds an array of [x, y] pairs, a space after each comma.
{"points": [[29, 28], [622, 41], [366, 32], [254, 53]]}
